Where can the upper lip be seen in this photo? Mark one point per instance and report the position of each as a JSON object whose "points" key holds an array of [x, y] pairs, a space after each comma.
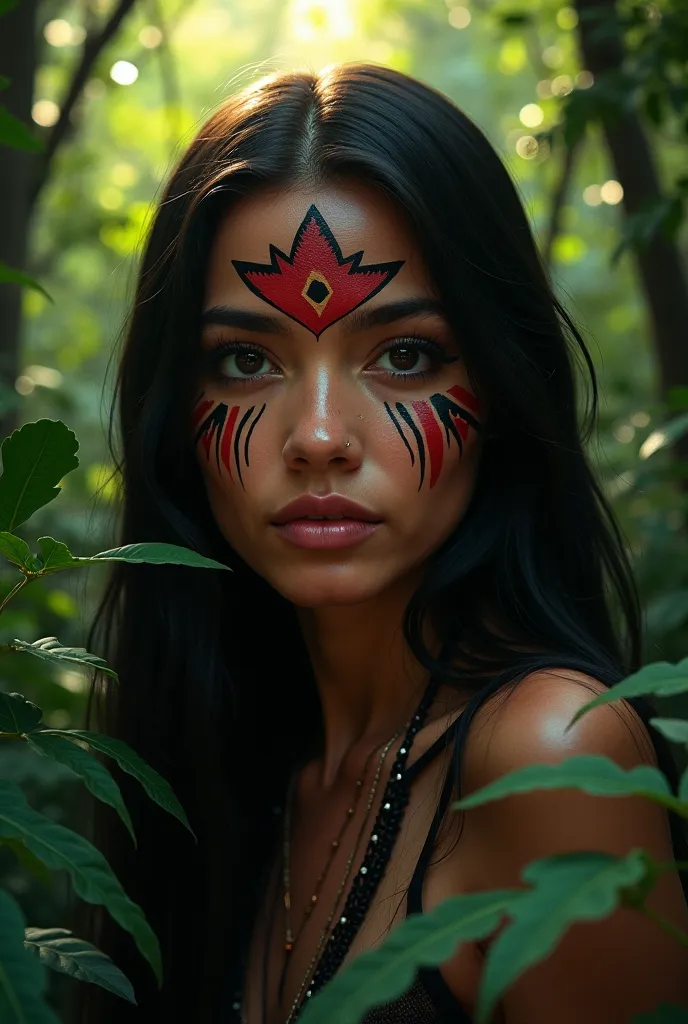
{"points": [[331, 506]]}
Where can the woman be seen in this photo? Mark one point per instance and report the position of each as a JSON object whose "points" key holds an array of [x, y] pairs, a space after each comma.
{"points": [[346, 377]]}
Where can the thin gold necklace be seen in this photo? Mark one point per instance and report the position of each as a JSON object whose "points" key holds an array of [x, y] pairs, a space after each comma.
{"points": [[349, 864], [290, 940]]}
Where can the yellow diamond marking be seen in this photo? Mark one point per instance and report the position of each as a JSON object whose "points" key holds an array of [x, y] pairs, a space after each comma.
{"points": [[315, 275]]}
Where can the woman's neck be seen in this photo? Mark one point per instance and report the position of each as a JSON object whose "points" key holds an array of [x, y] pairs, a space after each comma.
{"points": [[368, 680]]}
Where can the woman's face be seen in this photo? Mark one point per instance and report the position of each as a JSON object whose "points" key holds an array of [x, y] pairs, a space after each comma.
{"points": [[329, 372]]}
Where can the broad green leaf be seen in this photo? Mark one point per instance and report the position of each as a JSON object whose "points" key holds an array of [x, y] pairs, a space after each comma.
{"points": [[592, 773], [14, 549], [54, 555], [61, 849], [95, 775], [16, 134], [63, 952], [18, 715], [157, 788], [35, 458], [157, 554], [28, 860], [661, 679], [9, 275], [683, 787], [22, 977], [675, 729], [664, 1014], [566, 888], [49, 649], [422, 940]]}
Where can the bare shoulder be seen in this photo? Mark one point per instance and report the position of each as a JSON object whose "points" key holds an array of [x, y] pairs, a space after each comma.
{"points": [[528, 724]]}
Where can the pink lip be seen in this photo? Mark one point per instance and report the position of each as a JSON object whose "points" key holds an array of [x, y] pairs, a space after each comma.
{"points": [[331, 533], [347, 522]]}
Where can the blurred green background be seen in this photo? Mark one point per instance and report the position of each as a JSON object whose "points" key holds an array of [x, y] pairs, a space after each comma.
{"points": [[114, 89]]}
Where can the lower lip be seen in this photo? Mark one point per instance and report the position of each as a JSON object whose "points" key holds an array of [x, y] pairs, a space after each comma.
{"points": [[330, 533]]}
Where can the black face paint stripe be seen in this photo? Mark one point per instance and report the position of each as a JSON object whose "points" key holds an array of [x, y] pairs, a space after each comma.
{"points": [[443, 406], [237, 437], [250, 431], [406, 416], [216, 416], [402, 435]]}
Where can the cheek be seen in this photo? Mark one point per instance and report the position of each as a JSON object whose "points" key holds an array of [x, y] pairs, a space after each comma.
{"points": [[438, 432], [222, 437]]}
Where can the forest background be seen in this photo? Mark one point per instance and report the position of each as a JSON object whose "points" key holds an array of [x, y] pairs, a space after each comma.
{"points": [[588, 106]]}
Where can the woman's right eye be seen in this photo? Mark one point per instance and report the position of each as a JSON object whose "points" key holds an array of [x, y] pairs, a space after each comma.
{"points": [[232, 362]]}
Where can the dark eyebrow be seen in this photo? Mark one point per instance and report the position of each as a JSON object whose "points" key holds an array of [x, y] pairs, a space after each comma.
{"points": [[358, 320], [363, 318], [244, 318]]}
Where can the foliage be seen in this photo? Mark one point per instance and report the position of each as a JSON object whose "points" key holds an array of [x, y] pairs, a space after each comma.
{"points": [[561, 890], [505, 64], [35, 459]]}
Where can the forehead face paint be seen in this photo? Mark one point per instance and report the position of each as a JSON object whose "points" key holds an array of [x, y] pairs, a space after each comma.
{"points": [[315, 285], [456, 410]]}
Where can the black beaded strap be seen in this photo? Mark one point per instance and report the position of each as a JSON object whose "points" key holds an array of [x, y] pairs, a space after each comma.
{"points": [[378, 852]]}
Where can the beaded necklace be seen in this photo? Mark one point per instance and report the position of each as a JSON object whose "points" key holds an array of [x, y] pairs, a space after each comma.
{"points": [[375, 860]]}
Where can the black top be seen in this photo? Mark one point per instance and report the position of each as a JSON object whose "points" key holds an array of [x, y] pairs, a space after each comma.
{"points": [[429, 1000]]}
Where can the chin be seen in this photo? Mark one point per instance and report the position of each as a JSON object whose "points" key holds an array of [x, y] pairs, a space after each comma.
{"points": [[333, 586]]}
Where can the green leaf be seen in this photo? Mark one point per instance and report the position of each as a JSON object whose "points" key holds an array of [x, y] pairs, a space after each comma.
{"points": [[663, 1014], [9, 275], [16, 134], [157, 788], [592, 773], [675, 729], [49, 649], [423, 939], [35, 458], [566, 888], [18, 715], [54, 555], [27, 860], [61, 849], [95, 775], [14, 549], [661, 678], [58, 949], [158, 554], [22, 977]]}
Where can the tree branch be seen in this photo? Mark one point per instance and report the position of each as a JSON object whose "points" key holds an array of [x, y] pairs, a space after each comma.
{"points": [[94, 44]]}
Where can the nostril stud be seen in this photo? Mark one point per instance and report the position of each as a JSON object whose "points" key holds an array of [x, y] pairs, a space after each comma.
{"points": [[348, 444]]}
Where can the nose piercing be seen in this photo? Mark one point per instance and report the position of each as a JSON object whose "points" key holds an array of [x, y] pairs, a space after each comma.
{"points": [[348, 444]]}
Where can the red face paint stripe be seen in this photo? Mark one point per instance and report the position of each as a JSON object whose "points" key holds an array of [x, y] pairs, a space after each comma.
{"points": [[225, 443], [200, 411], [433, 436], [465, 397]]}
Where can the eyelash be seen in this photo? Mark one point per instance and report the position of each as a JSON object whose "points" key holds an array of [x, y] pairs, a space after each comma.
{"points": [[214, 356]]}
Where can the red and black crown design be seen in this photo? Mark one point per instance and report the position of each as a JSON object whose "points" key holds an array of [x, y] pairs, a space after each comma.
{"points": [[315, 285]]}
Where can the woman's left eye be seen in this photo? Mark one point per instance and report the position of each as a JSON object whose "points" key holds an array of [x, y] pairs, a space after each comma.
{"points": [[410, 359]]}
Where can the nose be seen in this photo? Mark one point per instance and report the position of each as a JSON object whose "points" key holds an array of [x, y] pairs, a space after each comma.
{"points": [[319, 438]]}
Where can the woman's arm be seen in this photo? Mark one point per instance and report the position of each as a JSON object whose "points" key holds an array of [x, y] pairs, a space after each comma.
{"points": [[602, 972]]}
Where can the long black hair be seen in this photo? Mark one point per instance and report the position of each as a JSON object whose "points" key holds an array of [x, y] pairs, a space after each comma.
{"points": [[215, 687]]}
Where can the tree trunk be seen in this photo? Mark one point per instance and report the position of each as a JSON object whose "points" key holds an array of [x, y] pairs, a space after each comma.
{"points": [[662, 275], [17, 171]]}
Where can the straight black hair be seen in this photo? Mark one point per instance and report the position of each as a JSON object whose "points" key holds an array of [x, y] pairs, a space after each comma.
{"points": [[220, 712]]}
